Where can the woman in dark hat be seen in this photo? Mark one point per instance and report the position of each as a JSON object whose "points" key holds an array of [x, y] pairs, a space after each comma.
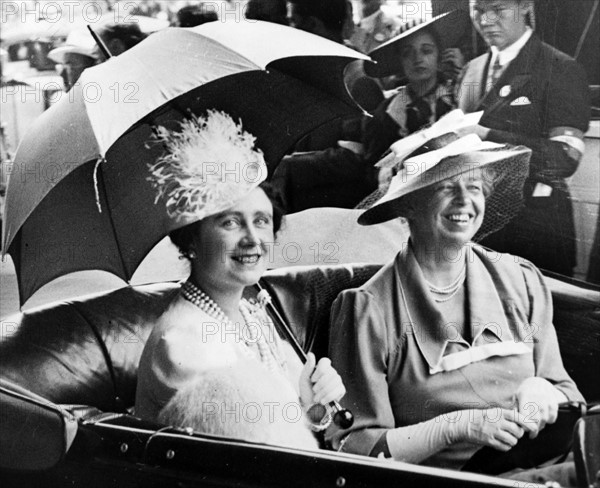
{"points": [[451, 346], [418, 55], [211, 181]]}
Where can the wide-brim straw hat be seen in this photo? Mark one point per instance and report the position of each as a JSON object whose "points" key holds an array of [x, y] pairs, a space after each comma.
{"points": [[79, 41], [504, 167], [451, 28]]}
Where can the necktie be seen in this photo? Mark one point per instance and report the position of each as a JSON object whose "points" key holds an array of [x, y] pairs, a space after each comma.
{"points": [[496, 71]]}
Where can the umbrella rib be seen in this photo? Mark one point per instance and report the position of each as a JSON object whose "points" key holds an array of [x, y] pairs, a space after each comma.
{"points": [[111, 221]]}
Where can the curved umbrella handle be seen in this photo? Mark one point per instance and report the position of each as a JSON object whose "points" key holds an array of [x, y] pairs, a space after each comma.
{"points": [[342, 417]]}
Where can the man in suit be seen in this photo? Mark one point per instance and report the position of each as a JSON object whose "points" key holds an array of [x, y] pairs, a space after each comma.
{"points": [[537, 96]]}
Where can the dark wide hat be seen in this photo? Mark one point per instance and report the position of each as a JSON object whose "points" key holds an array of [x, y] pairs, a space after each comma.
{"points": [[502, 167], [450, 27]]}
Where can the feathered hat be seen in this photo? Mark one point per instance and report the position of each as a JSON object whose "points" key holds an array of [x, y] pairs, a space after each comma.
{"points": [[209, 164]]}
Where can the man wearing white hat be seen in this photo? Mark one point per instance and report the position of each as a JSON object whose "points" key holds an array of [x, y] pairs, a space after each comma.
{"points": [[537, 96], [75, 55]]}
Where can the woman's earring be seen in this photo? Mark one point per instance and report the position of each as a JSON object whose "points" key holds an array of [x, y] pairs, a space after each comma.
{"points": [[191, 254]]}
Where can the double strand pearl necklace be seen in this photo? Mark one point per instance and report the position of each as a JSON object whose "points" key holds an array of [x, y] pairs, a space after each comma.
{"points": [[446, 293], [255, 333]]}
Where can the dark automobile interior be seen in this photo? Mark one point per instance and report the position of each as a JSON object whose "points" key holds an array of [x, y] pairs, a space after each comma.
{"points": [[68, 376]]}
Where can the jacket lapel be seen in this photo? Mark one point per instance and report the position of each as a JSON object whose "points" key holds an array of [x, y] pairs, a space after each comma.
{"points": [[472, 85], [515, 76]]}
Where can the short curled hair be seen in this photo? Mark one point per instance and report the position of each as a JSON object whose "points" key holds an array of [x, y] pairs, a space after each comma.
{"points": [[184, 236]]}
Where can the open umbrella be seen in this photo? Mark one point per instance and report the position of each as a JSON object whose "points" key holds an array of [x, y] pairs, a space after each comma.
{"points": [[78, 198]]}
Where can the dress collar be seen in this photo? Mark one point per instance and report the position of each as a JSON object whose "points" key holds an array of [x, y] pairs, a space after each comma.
{"points": [[402, 98], [428, 325]]}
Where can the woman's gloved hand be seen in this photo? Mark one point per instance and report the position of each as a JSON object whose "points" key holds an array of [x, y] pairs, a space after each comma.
{"points": [[320, 384], [537, 400], [499, 428], [495, 427]]}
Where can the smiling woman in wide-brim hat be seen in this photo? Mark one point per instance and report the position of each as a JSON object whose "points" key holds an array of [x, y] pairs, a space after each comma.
{"points": [[436, 337], [210, 180], [502, 168]]}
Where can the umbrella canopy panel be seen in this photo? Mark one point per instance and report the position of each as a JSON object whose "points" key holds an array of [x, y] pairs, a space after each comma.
{"points": [[144, 75], [59, 141], [66, 233], [308, 57]]}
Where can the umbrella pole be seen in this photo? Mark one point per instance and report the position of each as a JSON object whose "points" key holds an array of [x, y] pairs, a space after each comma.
{"points": [[343, 417], [100, 43]]}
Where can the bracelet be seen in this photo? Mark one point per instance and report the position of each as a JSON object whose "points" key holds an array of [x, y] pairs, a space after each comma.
{"points": [[320, 417]]}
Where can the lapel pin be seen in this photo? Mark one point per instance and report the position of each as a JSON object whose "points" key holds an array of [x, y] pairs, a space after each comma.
{"points": [[505, 91]]}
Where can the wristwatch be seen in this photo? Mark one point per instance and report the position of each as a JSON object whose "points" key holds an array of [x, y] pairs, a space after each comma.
{"points": [[320, 417]]}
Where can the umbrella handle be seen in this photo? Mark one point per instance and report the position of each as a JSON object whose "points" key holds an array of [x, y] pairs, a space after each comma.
{"points": [[342, 417]]}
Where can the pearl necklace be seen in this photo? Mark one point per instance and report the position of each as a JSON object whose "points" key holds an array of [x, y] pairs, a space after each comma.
{"points": [[255, 332], [448, 292], [196, 296]]}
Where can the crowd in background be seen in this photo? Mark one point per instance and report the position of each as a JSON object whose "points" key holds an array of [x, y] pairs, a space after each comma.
{"points": [[320, 171]]}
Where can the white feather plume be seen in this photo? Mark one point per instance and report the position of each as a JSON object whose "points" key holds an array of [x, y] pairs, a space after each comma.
{"points": [[209, 165]]}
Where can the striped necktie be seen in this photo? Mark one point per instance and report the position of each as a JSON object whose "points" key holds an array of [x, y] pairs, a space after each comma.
{"points": [[496, 71]]}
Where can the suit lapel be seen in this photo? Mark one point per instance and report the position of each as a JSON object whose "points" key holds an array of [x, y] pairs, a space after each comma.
{"points": [[515, 76], [472, 84]]}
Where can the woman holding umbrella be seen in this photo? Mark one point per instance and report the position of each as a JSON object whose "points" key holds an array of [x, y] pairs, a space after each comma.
{"points": [[211, 179], [451, 346]]}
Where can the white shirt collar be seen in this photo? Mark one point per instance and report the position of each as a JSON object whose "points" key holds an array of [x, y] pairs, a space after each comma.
{"points": [[511, 52]]}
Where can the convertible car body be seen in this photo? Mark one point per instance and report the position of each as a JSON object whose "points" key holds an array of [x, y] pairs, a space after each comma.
{"points": [[68, 376]]}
